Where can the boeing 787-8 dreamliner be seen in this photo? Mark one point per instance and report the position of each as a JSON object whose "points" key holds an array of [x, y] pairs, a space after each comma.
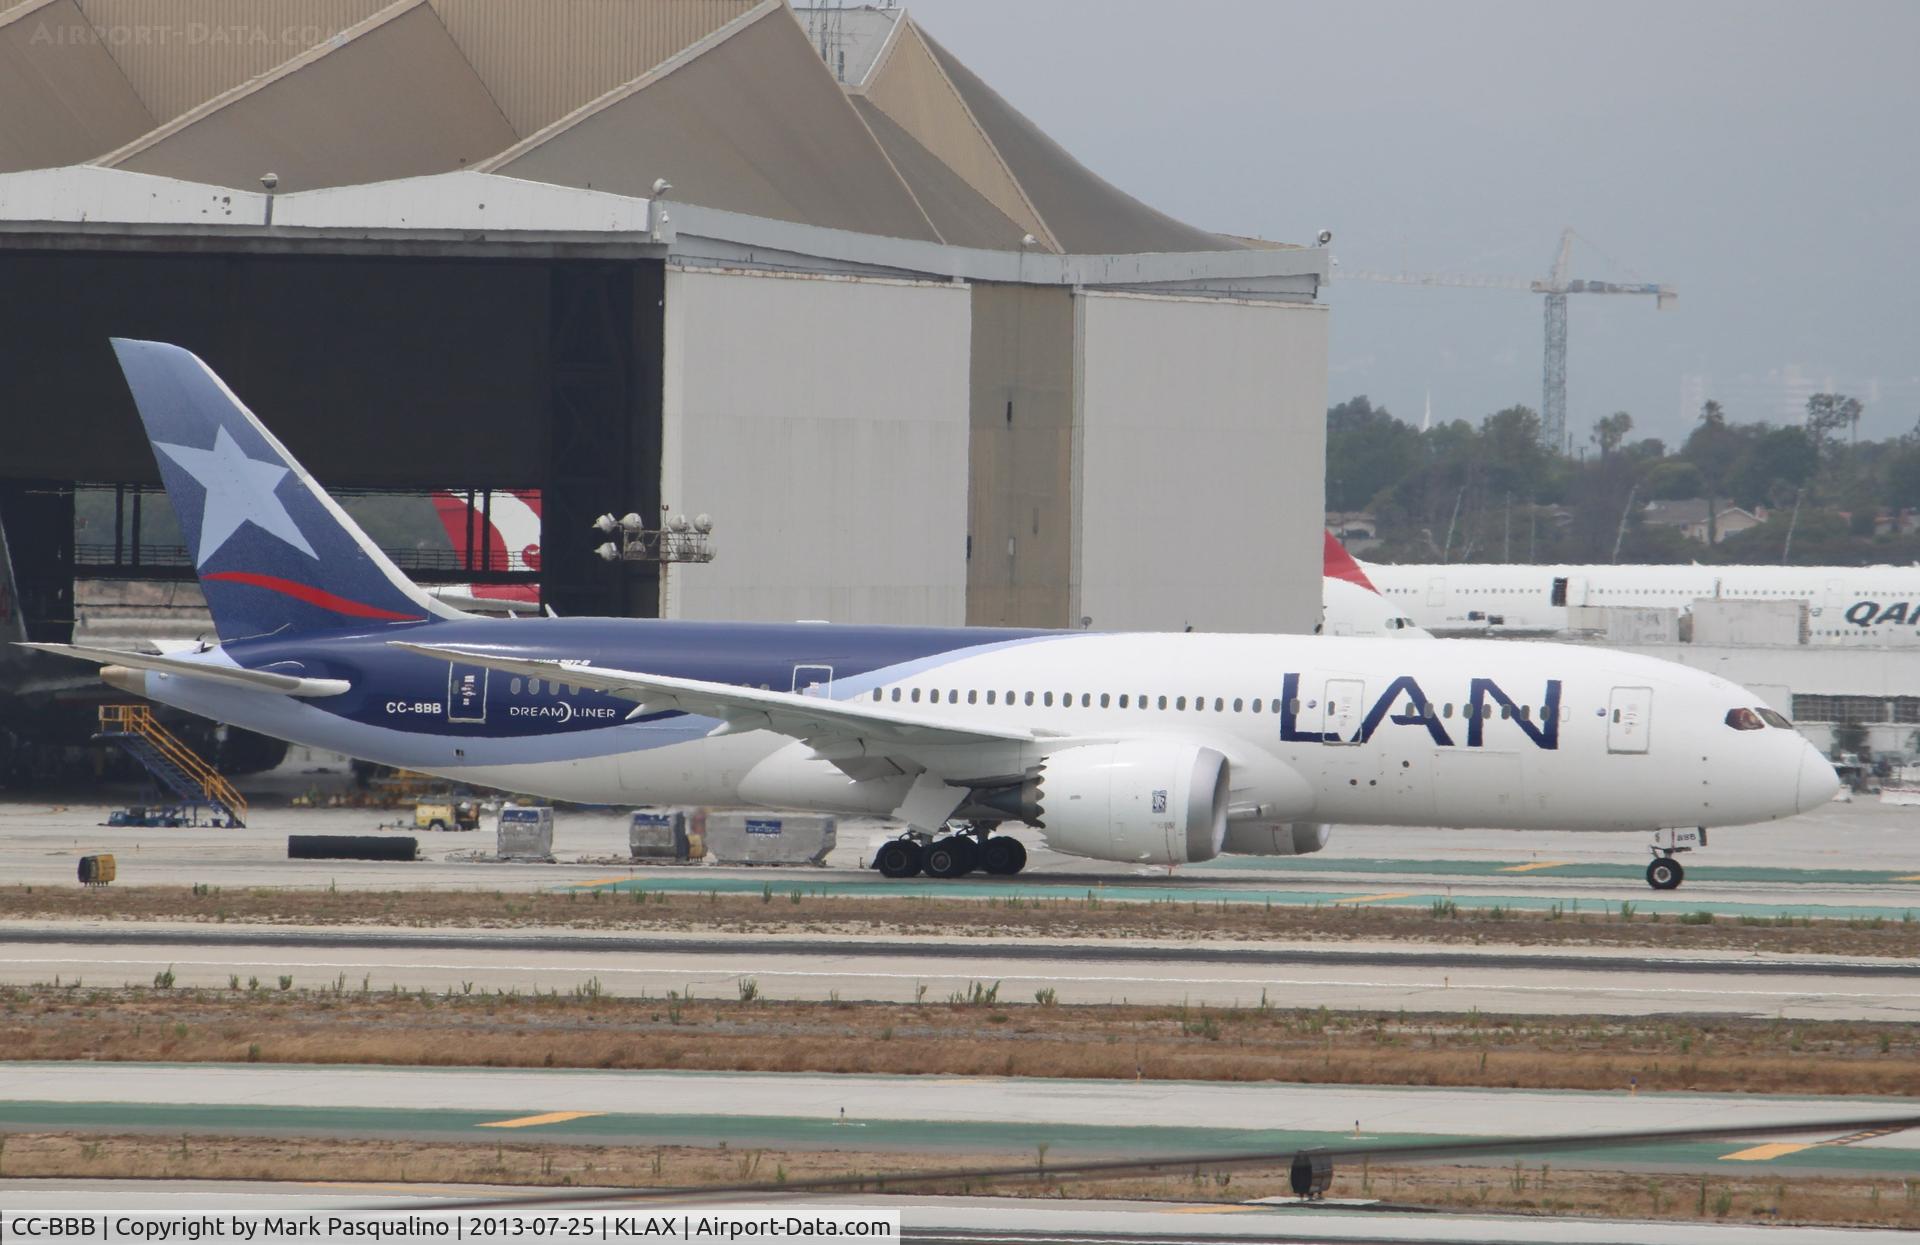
{"points": [[1150, 748]]}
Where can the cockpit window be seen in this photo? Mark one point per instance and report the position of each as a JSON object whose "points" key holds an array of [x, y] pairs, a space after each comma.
{"points": [[1773, 717], [1745, 720]]}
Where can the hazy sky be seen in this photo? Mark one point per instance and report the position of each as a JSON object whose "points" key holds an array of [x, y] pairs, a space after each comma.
{"points": [[1762, 158]]}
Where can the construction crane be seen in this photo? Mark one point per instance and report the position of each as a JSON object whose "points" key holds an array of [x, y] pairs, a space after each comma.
{"points": [[1556, 285]]}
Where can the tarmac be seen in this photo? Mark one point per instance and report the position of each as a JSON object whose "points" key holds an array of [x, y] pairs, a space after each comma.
{"points": [[982, 1221], [1373, 976], [933, 1115], [1853, 861]]}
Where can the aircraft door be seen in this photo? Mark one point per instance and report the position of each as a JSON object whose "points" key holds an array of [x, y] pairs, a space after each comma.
{"points": [[1629, 719], [1341, 710], [1437, 592], [813, 681], [466, 692]]}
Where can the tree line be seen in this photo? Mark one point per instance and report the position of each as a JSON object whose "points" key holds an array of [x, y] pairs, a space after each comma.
{"points": [[1457, 492]]}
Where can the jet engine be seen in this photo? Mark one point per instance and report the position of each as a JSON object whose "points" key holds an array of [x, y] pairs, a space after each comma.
{"points": [[1161, 803], [1276, 838]]}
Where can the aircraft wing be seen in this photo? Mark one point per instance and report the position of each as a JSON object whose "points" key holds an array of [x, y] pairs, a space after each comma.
{"points": [[254, 680], [813, 718]]}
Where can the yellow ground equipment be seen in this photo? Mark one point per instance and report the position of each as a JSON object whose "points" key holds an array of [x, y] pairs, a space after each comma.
{"points": [[173, 765], [447, 814]]}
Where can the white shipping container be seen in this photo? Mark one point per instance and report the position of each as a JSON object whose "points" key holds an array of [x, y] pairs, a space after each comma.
{"points": [[744, 838], [658, 835], [525, 833]]}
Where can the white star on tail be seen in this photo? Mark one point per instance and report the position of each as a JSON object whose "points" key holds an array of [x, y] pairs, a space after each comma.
{"points": [[238, 490]]}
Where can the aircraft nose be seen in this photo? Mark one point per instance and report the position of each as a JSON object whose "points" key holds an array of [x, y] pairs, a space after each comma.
{"points": [[1818, 782]]}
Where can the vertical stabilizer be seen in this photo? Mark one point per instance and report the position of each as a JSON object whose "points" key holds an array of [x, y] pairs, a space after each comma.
{"points": [[274, 553], [1339, 564]]}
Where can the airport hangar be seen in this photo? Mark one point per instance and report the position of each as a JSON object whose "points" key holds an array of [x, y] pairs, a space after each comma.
{"points": [[918, 363]]}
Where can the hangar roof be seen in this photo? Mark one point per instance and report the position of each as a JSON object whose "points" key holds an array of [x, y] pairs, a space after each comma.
{"points": [[730, 100]]}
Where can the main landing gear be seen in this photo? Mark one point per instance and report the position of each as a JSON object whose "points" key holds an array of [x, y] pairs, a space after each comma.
{"points": [[952, 855], [1664, 872]]}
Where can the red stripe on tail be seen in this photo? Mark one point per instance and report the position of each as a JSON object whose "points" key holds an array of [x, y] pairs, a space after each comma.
{"points": [[311, 595]]}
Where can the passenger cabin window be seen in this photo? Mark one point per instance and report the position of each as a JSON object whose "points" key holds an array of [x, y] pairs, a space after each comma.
{"points": [[1048, 698], [1745, 720], [896, 694], [516, 687], [973, 697], [916, 696], [533, 686]]}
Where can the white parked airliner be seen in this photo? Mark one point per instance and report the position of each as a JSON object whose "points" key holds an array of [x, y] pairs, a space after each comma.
{"points": [[1846, 605], [1150, 748]]}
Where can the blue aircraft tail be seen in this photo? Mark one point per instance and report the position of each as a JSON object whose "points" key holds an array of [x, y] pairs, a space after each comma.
{"points": [[275, 554]]}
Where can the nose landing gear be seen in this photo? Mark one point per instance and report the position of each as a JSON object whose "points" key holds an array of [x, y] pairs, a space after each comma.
{"points": [[1664, 872]]}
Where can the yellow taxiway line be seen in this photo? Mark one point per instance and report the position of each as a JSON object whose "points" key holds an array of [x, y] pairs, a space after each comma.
{"points": [[1377, 898], [532, 1121], [1772, 1150]]}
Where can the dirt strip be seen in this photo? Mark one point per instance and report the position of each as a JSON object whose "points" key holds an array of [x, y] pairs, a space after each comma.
{"points": [[985, 1035], [786, 907], [1520, 1187]]}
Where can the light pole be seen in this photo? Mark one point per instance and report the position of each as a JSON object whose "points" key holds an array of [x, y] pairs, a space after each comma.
{"points": [[678, 539]]}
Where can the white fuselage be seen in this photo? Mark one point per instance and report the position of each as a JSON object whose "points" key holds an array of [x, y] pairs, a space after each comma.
{"points": [[1845, 605], [1315, 730]]}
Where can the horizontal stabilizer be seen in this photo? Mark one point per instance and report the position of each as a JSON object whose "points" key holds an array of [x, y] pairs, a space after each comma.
{"points": [[233, 676]]}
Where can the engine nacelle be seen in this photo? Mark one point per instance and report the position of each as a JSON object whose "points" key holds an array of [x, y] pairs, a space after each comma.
{"points": [[1162, 803], [1276, 838]]}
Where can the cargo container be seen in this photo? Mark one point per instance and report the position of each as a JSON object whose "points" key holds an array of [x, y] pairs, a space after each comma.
{"points": [[746, 838], [670, 834], [97, 870], [525, 833]]}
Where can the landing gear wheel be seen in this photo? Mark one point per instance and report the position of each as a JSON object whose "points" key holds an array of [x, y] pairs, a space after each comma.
{"points": [[1664, 873], [898, 858], [1003, 856], [950, 857]]}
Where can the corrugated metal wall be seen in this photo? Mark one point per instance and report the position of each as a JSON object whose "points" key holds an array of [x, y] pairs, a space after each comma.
{"points": [[1020, 454], [179, 54], [1199, 465], [62, 98], [544, 58], [753, 124], [396, 100], [911, 89], [823, 424]]}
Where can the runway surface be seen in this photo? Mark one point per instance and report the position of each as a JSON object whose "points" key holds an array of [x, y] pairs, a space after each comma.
{"points": [[931, 1115], [987, 1221], [1377, 976]]}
